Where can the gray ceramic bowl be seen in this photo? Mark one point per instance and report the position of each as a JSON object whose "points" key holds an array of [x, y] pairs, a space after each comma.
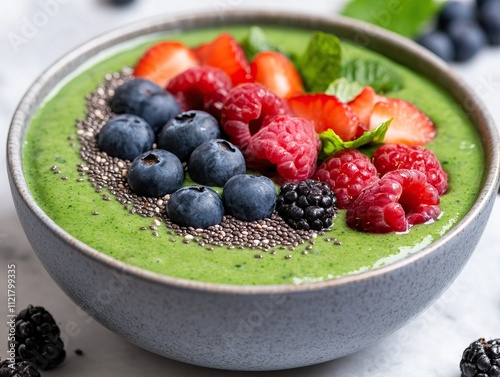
{"points": [[254, 327]]}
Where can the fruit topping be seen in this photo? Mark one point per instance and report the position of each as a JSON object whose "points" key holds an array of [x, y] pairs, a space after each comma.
{"points": [[125, 136], [38, 339], [201, 88], [249, 197], [247, 109], [225, 53], [214, 162], [306, 205], [391, 204], [19, 369], [363, 104], [481, 359], [276, 72], [289, 143], [326, 112], [195, 206], [391, 157], [186, 131], [347, 172], [163, 61], [409, 125], [155, 173], [147, 100]]}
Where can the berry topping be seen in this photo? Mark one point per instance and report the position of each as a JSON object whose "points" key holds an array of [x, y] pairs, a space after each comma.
{"points": [[147, 100], [155, 174], [306, 205], [225, 53], [247, 109], [38, 339], [201, 88], [326, 112], [390, 157], [125, 136], [249, 197], [290, 143], [188, 130], [363, 104], [215, 161], [399, 199], [19, 369], [276, 72], [347, 172], [163, 61], [409, 125], [481, 359], [195, 206]]}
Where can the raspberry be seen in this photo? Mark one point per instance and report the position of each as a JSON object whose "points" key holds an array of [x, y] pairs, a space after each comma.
{"points": [[399, 199], [201, 88], [347, 172], [247, 109], [390, 157], [288, 142]]}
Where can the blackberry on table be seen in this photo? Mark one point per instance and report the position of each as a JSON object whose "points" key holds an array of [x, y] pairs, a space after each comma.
{"points": [[37, 338], [307, 205], [481, 359], [19, 369]]}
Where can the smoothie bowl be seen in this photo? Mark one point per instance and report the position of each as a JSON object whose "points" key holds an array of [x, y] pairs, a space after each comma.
{"points": [[248, 295]]}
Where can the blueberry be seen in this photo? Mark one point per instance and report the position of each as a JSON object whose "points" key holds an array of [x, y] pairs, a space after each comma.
{"points": [[144, 98], [249, 197], [439, 43], [120, 2], [186, 131], [454, 11], [155, 173], [125, 136], [468, 38], [215, 161], [195, 206], [489, 18]]}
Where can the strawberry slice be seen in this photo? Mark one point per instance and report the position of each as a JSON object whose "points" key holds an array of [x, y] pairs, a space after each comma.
{"points": [[363, 104], [164, 61], [409, 125], [226, 54], [277, 72], [326, 112]]}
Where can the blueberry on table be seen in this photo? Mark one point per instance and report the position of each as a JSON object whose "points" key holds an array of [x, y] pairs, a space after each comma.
{"points": [[120, 2], [439, 43], [215, 161], [468, 39], [155, 173], [249, 197], [144, 98], [455, 11], [195, 206], [125, 136], [489, 18], [186, 131]]}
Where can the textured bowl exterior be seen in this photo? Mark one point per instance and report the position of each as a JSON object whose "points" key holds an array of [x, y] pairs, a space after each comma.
{"points": [[254, 327]]}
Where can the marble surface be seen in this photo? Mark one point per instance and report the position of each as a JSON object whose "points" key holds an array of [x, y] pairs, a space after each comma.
{"points": [[35, 33]]}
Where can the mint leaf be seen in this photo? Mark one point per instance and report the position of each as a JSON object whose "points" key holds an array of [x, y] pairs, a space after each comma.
{"points": [[344, 89], [372, 73], [256, 41], [405, 17], [320, 64], [331, 143]]}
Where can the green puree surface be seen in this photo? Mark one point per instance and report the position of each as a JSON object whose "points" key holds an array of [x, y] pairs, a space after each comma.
{"points": [[116, 232]]}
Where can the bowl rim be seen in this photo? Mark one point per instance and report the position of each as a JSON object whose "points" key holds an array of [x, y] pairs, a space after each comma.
{"points": [[150, 25]]}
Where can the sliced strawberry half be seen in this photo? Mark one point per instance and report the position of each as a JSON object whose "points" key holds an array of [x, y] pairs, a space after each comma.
{"points": [[226, 54], [164, 61], [277, 72], [326, 112], [363, 104], [409, 125]]}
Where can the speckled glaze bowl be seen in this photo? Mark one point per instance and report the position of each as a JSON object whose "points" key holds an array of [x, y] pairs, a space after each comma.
{"points": [[254, 327]]}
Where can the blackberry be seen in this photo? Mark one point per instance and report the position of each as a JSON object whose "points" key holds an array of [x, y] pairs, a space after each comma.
{"points": [[307, 205], [19, 369], [481, 359], [37, 338]]}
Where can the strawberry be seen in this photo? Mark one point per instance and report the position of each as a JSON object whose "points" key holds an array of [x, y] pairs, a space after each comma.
{"points": [[164, 61], [226, 54], [409, 125], [277, 72], [326, 112], [363, 104]]}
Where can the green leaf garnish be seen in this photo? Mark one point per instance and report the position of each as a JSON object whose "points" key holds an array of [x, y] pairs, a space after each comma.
{"points": [[372, 73], [331, 143], [256, 41], [344, 89]]}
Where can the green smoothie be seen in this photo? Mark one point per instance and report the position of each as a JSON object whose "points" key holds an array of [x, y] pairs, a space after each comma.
{"points": [[116, 232]]}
